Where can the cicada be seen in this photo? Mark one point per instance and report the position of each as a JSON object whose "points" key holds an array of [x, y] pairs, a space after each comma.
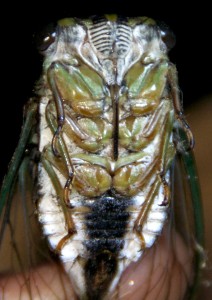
{"points": [[102, 195]]}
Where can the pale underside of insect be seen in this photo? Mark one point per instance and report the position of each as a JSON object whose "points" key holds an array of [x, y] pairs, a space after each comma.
{"points": [[110, 127]]}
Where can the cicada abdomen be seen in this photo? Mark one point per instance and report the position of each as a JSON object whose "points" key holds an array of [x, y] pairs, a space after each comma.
{"points": [[110, 129]]}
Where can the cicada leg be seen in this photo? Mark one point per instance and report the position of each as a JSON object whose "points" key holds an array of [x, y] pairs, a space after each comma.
{"points": [[173, 81], [59, 107], [161, 167], [71, 230], [63, 153], [64, 165], [144, 212], [166, 189]]}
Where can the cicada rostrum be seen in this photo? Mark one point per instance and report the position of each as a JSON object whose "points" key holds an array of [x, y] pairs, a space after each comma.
{"points": [[105, 165]]}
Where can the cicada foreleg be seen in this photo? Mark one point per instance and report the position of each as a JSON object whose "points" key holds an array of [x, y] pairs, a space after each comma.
{"points": [[173, 82], [59, 106], [168, 153], [63, 152], [63, 164]]}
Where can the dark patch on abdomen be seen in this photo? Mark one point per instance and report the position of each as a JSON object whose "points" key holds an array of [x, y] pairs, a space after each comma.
{"points": [[106, 225], [99, 272]]}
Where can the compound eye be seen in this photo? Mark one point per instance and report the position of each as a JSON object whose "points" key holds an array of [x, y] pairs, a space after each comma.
{"points": [[167, 36], [46, 37]]}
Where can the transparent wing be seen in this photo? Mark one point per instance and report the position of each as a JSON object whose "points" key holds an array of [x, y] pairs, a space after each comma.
{"points": [[187, 214], [28, 269], [188, 209]]}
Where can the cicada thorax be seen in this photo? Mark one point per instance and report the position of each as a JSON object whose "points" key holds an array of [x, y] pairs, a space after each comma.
{"points": [[106, 148]]}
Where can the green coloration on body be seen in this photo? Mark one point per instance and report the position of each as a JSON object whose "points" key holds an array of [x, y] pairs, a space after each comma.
{"points": [[109, 111]]}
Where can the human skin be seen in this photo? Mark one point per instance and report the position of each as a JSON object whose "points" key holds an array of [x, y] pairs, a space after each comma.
{"points": [[163, 272]]}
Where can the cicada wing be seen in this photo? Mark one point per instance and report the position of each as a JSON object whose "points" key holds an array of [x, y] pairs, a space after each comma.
{"points": [[16, 205], [27, 265], [16, 223], [9, 183], [186, 216]]}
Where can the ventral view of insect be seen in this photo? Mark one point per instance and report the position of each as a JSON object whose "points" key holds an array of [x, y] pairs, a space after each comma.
{"points": [[101, 199]]}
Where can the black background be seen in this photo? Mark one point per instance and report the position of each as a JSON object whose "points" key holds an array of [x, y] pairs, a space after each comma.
{"points": [[21, 64]]}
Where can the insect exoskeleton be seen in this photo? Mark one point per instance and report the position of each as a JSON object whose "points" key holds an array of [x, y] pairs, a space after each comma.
{"points": [[106, 124], [110, 128]]}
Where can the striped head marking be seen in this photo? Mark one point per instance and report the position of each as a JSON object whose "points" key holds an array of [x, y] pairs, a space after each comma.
{"points": [[109, 44]]}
